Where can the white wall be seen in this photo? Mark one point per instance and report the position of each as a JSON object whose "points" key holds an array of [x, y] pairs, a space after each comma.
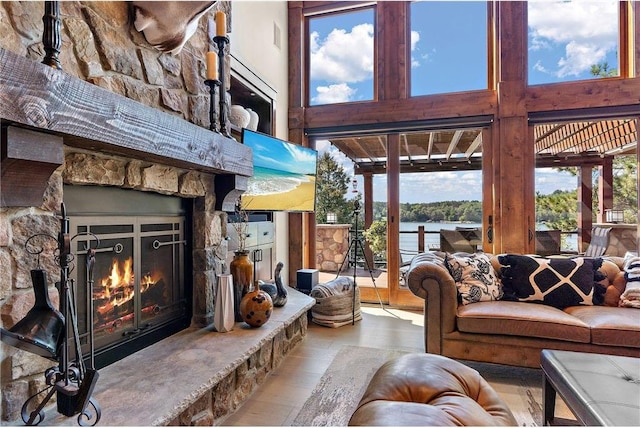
{"points": [[252, 43]]}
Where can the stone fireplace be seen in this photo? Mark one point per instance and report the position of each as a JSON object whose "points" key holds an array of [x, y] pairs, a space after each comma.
{"points": [[70, 140]]}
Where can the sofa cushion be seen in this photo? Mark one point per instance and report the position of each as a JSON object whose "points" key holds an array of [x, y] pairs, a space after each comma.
{"points": [[475, 278], [610, 326], [517, 319], [557, 282]]}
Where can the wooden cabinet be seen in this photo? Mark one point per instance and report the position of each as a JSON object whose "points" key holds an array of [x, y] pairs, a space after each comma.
{"points": [[259, 243]]}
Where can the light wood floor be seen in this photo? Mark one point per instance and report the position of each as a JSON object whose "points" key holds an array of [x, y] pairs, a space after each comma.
{"points": [[280, 398]]}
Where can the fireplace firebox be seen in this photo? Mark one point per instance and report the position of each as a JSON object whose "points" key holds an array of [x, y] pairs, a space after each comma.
{"points": [[137, 286]]}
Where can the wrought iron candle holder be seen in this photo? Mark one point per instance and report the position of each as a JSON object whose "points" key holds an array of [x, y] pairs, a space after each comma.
{"points": [[51, 37], [212, 84], [221, 42]]}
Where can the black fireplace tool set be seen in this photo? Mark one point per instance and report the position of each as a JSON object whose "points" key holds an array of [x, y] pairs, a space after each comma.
{"points": [[46, 331]]}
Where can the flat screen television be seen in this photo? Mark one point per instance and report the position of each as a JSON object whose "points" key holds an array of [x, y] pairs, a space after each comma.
{"points": [[284, 175]]}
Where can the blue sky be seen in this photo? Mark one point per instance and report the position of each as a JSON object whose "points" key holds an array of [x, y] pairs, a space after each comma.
{"points": [[448, 54], [283, 156]]}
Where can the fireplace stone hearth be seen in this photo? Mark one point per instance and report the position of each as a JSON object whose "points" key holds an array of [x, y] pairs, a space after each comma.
{"points": [[196, 377]]}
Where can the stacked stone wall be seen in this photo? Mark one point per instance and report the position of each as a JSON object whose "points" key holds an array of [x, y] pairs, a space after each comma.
{"points": [[332, 243], [100, 45]]}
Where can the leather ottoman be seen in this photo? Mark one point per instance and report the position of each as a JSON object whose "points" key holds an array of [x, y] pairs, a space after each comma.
{"points": [[600, 390], [430, 390]]}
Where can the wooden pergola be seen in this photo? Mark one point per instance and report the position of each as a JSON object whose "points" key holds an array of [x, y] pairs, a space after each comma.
{"points": [[556, 145], [507, 130]]}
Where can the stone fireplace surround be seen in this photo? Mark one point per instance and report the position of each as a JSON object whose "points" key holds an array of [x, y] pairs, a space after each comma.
{"points": [[199, 376], [79, 134]]}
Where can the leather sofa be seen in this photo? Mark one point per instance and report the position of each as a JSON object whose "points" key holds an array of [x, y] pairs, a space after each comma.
{"points": [[430, 390], [515, 332]]}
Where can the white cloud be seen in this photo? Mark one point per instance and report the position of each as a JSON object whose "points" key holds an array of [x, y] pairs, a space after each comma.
{"points": [[341, 159], [587, 29], [548, 180], [332, 94], [580, 57], [343, 56], [415, 38], [539, 67]]}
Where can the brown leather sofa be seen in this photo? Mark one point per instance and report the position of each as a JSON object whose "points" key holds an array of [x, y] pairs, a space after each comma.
{"points": [[430, 390], [514, 333]]}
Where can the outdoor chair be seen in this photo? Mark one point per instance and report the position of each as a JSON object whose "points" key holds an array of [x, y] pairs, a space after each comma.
{"points": [[547, 242], [454, 241], [599, 241]]}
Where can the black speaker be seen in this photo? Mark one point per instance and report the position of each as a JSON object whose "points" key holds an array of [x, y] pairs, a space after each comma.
{"points": [[306, 279]]}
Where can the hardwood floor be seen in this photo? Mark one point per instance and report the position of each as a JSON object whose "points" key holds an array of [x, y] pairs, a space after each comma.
{"points": [[280, 398]]}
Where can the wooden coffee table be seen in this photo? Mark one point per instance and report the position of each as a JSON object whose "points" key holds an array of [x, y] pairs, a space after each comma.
{"points": [[599, 389]]}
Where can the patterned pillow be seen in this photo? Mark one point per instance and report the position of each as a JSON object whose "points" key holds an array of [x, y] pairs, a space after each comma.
{"points": [[556, 282], [475, 278]]}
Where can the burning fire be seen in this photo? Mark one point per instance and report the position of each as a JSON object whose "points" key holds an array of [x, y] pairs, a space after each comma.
{"points": [[118, 287]]}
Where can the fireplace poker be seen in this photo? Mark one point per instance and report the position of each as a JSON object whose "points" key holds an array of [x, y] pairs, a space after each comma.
{"points": [[91, 258]]}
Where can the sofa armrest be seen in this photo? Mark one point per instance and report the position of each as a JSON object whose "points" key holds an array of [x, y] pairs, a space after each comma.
{"points": [[429, 279]]}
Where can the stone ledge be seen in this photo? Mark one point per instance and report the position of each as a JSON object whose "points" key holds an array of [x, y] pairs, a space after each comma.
{"points": [[197, 376]]}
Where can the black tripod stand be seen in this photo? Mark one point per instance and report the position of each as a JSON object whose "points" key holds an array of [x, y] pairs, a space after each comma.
{"points": [[356, 243]]}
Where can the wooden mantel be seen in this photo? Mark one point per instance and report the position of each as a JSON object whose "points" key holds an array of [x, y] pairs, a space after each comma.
{"points": [[40, 98]]}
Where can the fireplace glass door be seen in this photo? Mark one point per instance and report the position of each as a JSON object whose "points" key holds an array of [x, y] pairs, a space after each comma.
{"points": [[136, 283]]}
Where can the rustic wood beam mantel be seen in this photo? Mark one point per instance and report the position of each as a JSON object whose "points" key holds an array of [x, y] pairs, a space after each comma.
{"points": [[87, 116]]}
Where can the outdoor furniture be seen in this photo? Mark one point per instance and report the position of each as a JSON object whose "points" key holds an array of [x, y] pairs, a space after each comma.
{"points": [[599, 241], [598, 389], [548, 242], [455, 241]]}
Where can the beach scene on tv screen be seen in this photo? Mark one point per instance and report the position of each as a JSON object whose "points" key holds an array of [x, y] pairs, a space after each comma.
{"points": [[284, 175]]}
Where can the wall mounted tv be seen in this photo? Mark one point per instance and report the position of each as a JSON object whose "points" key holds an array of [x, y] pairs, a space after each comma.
{"points": [[284, 175]]}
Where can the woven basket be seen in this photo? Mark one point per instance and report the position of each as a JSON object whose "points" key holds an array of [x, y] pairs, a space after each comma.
{"points": [[335, 303]]}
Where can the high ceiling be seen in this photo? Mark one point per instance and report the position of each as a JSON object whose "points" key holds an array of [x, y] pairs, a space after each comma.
{"points": [[556, 144]]}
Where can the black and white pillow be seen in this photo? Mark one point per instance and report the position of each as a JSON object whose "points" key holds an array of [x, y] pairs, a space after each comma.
{"points": [[475, 278], [556, 282]]}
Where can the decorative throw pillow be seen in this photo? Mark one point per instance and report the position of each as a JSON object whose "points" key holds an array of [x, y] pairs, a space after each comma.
{"points": [[630, 298], [556, 282], [475, 278]]}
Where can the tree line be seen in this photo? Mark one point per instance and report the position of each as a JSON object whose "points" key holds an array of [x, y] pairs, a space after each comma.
{"points": [[557, 210]]}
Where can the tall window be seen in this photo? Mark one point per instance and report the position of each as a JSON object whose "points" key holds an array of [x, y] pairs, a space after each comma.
{"points": [[572, 40], [448, 46], [341, 57]]}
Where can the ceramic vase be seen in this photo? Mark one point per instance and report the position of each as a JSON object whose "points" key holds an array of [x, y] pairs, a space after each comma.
{"points": [[256, 307], [239, 116], [223, 310], [253, 120], [241, 269]]}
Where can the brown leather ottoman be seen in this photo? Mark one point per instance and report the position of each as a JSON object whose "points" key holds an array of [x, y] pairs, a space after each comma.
{"points": [[598, 389], [430, 390]]}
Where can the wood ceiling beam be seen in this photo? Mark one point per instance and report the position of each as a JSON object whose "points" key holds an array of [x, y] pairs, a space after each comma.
{"points": [[406, 146], [430, 147], [453, 144], [474, 145]]}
